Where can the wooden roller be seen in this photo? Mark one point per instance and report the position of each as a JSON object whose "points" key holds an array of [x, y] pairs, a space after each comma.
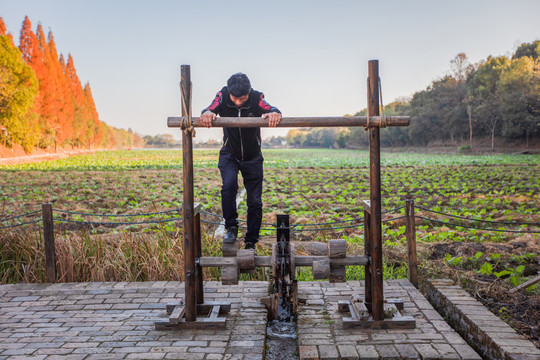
{"points": [[319, 249], [246, 260], [337, 249], [321, 269], [229, 275], [229, 249]]}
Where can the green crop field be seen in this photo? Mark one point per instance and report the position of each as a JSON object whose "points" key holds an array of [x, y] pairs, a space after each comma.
{"points": [[121, 190], [117, 219]]}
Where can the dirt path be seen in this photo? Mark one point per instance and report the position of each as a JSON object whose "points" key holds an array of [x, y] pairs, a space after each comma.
{"points": [[31, 158]]}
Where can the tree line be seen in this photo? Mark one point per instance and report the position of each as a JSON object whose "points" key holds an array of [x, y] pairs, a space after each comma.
{"points": [[498, 97], [42, 101]]}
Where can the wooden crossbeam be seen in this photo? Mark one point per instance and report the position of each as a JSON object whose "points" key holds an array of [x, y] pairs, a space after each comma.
{"points": [[266, 261], [374, 121]]}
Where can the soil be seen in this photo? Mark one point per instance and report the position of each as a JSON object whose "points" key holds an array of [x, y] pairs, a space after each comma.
{"points": [[521, 310], [17, 155]]}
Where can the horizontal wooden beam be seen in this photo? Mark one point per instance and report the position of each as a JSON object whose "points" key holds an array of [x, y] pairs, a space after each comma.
{"points": [[345, 121], [266, 261]]}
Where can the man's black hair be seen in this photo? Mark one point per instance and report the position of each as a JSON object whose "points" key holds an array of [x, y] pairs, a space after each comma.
{"points": [[238, 85]]}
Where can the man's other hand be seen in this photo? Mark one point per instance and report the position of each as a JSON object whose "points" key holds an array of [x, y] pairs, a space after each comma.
{"points": [[273, 118], [207, 117]]}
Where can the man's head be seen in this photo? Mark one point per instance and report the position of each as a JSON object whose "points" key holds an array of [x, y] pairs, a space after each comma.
{"points": [[239, 88]]}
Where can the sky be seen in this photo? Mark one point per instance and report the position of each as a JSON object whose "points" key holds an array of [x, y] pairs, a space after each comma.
{"points": [[309, 57]]}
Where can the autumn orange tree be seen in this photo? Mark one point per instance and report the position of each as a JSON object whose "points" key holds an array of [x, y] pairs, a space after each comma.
{"points": [[48, 106]]}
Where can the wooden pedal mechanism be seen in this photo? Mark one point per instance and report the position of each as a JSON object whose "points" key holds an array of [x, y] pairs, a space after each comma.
{"points": [[207, 316], [361, 315], [327, 260]]}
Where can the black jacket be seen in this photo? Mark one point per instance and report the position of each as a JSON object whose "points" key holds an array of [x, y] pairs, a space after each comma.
{"points": [[243, 143]]}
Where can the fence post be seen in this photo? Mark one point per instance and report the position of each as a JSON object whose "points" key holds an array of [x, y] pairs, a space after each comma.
{"points": [[48, 235], [367, 251], [411, 242], [199, 290]]}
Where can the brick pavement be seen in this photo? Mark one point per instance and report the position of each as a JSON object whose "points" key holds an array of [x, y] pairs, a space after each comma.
{"points": [[321, 335], [116, 321]]}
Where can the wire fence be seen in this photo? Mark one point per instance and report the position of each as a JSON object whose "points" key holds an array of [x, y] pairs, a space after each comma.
{"points": [[320, 226]]}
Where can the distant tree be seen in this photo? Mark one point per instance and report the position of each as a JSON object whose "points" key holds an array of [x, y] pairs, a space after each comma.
{"points": [[520, 94], [482, 93], [531, 50]]}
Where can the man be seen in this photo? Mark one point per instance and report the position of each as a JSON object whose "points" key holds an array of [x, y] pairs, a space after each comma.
{"points": [[241, 151]]}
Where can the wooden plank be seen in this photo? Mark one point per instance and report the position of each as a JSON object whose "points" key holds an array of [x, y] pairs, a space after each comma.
{"points": [[411, 242], [205, 308], [177, 314], [170, 307], [197, 207], [48, 236], [214, 313], [526, 284], [361, 310], [366, 204], [397, 302], [405, 322], [244, 122], [199, 324]]}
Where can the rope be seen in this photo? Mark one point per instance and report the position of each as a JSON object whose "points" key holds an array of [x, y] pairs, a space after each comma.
{"points": [[472, 227], [22, 224], [367, 105], [118, 223], [20, 216], [383, 118], [117, 215], [187, 125], [478, 220]]}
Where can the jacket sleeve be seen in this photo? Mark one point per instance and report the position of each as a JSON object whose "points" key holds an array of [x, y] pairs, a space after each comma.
{"points": [[216, 104], [266, 107]]}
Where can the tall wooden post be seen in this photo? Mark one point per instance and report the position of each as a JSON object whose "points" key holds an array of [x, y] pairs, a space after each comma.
{"points": [[375, 194], [187, 207], [48, 235], [411, 242], [199, 290], [367, 268]]}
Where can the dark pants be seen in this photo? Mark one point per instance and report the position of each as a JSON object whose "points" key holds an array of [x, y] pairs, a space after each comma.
{"points": [[252, 173]]}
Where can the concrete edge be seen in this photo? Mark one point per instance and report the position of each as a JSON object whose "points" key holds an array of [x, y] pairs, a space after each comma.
{"points": [[484, 332]]}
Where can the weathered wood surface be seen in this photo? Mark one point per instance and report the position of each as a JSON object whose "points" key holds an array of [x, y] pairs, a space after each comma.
{"points": [[375, 194], [337, 248], [411, 242], [374, 121], [245, 259], [188, 204], [321, 269], [48, 235], [266, 261], [319, 248]]}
